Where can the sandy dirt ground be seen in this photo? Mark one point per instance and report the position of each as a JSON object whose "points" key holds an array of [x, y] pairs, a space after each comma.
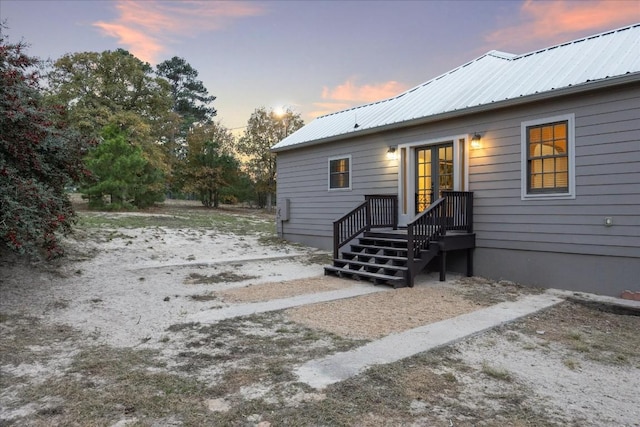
{"points": [[125, 288]]}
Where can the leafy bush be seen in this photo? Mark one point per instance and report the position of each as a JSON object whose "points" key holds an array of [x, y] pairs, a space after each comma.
{"points": [[39, 156]]}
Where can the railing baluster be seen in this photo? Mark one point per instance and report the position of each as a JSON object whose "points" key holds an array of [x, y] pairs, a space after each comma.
{"points": [[376, 211]]}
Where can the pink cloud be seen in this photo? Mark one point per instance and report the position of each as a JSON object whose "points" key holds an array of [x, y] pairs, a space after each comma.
{"points": [[350, 94], [552, 22], [144, 47], [324, 108], [145, 28], [349, 91]]}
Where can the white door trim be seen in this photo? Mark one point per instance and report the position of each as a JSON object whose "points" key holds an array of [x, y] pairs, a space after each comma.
{"points": [[406, 199]]}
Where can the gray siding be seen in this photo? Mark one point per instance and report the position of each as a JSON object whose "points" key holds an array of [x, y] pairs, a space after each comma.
{"points": [[607, 162], [554, 235], [303, 179]]}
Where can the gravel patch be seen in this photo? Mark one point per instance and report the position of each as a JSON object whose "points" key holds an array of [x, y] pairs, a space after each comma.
{"points": [[374, 316], [277, 290]]}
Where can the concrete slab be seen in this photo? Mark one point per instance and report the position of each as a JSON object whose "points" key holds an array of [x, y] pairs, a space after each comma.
{"points": [[631, 305], [216, 315], [340, 366]]}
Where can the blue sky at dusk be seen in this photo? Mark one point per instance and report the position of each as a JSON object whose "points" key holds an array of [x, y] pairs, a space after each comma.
{"points": [[316, 57]]}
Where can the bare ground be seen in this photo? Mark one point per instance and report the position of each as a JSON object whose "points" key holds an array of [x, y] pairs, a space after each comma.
{"points": [[102, 338]]}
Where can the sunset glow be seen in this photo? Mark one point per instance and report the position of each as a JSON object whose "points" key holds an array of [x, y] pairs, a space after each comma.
{"points": [[546, 23], [319, 56], [147, 28], [350, 91]]}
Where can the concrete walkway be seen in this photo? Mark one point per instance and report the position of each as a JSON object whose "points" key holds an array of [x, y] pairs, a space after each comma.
{"points": [[340, 366], [212, 316]]}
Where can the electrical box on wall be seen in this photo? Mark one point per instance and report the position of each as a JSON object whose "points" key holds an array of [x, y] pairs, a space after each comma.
{"points": [[282, 210]]}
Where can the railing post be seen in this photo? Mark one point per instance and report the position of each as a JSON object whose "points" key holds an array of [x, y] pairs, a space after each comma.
{"points": [[336, 238], [367, 211], [394, 206], [410, 263], [469, 212]]}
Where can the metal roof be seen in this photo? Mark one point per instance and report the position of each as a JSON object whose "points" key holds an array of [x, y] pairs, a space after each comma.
{"points": [[486, 82]]}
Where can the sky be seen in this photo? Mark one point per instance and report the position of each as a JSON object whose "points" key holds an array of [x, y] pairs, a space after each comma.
{"points": [[314, 57]]}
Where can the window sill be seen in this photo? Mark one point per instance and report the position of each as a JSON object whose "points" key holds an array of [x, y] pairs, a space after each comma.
{"points": [[549, 196]]}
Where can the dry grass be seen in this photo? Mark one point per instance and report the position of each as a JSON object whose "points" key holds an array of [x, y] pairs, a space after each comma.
{"points": [[20, 335], [254, 357], [104, 385], [598, 335], [223, 277], [496, 372], [486, 292]]}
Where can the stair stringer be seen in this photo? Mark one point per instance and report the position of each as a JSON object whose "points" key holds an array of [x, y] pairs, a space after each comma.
{"points": [[419, 264]]}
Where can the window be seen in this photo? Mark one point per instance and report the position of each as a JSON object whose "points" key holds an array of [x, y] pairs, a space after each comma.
{"points": [[340, 173], [547, 158]]}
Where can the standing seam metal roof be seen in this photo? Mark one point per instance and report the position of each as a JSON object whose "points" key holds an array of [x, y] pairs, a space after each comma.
{"points": [[492, 78]]}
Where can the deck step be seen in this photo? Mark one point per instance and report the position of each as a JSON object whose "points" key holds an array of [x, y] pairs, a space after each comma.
{"points": [[377, 248], [345, 262], [348, 254], [376, 278], [384, 241], [399, 234]]}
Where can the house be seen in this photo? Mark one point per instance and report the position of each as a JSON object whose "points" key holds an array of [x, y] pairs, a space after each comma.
{"points": [[547, 144]]}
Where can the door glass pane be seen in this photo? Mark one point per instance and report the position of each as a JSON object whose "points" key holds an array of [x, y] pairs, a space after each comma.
{"points": [[423, 178], [434, 173], [445, 168]]}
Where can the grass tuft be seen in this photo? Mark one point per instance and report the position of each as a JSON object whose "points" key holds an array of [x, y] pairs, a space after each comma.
{"points": [[495, 372]]}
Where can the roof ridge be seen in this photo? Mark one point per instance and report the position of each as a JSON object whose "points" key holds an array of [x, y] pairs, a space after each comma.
{"points": [[580, 40], [500, 54], [492, 53]]}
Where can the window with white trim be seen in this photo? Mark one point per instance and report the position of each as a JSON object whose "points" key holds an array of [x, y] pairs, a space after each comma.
{"points": [[548, 167], [340, 173]]}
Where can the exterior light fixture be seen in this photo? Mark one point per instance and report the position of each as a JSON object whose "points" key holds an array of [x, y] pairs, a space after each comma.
{"points": [[391, 153], [475, 141]]}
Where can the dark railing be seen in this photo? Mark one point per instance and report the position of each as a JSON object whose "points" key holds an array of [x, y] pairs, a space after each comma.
{"points": [[452, 212], [384, 210], [459, 210], [375, 212], [428, 225]]}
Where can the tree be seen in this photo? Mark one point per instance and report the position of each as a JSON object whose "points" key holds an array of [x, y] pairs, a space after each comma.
{"points": [[241, 190], [39, 156], [112, 87], [190, 98], [191, 103], [120, 171], [114, 90], [264, 130], [209, 169]]}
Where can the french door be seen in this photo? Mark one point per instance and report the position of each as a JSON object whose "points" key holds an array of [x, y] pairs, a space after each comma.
{"points": [[426, 169], [434, 173]]}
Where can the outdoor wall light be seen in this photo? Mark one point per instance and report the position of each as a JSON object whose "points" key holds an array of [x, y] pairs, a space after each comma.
{"points": [[391, 153], [475, 141]]}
